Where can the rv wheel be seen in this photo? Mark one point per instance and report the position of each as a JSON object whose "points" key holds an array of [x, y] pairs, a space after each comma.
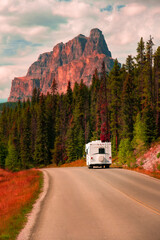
{"points": [[90, 166], [107, 166]]}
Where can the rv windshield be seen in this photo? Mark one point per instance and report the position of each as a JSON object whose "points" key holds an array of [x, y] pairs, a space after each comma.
{"points": [[101, 151]]}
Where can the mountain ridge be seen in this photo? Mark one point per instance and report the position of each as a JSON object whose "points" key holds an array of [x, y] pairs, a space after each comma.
{"points": [[72, 61]]}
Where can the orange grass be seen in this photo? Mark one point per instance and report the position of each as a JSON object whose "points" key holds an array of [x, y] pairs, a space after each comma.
{"points": [[155, 174], [17, 191], [77, 163]]}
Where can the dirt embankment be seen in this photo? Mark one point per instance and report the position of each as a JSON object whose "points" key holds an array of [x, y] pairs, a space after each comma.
{"points": [[150, 160]]}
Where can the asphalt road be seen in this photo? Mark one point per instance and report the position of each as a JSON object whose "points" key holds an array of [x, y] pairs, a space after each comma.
{"points": [[98, 204]]}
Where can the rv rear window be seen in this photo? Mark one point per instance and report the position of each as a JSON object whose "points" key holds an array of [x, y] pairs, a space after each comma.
{"points": [[101, 151]]}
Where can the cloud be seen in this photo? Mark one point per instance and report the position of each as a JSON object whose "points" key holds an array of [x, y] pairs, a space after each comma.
{"points": [[31, 27], [4, 93], [74, 9], [134, 9], [42, 18], [13, 45], [7, 73]]}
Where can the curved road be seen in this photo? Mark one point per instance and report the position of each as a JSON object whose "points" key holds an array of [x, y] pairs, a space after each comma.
{"points": [[99, 204]]}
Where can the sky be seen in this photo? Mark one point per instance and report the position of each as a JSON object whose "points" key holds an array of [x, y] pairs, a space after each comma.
{"points": [[31, 27]]}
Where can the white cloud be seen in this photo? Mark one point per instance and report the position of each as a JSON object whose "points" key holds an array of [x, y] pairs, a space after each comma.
{"points": [[4, 93], [7, 73], [133, 9], [51, 21], [4, 4], [74, 9]]}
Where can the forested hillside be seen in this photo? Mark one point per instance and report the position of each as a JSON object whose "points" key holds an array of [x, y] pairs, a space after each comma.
{"points": [[122, 106]]}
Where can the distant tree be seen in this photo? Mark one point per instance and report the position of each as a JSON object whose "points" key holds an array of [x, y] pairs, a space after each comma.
{"points": [[95, 119], [157, 88], [69, 103], [34, 96], [125, 150], [3, 153], [58, 151], [139, 134], [12, 160], [104, 133], [148, 67], [115, 104], [71, 144], [150, 124], [103, 105], [41, 153], [128, 100], [54, 87], [25, 141], [140, 59]]}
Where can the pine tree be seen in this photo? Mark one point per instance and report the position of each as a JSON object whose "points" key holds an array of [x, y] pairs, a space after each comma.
{"points": [[25, 142], [148, 111], [149, 60], [157, 88], [141, 59], [71, 144], [150, 124], [41, 154], [54, 87], [115, 104], [4, 131], [34, 96], [103, 106], [95, 120], [139, 134], [58, 151], [69, 103], [12, 160], [125, 154], [50, 123], [14, 139], [127, 105], [3, 153]]}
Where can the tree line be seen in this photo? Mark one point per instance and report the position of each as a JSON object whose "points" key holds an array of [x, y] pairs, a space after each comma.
{"points": [[122, 106]]}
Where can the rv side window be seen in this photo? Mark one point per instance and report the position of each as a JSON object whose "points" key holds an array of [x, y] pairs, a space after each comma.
{"points": [[87, 151], [101, 151]]}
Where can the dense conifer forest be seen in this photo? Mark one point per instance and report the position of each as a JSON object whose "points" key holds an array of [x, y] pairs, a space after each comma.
{"points": [[122, 106]]}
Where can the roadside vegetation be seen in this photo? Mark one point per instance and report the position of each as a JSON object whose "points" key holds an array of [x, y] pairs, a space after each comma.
{"points": [[144, 160], [77, 163], [18, 192]]}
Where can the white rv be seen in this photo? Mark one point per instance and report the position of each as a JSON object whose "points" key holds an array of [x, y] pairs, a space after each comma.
{"points": [[98, 154]]}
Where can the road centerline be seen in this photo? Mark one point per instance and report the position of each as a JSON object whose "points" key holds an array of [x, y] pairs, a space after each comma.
{"points": [[147, 206]]}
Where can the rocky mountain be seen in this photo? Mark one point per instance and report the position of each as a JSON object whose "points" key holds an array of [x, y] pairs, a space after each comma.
{"points": [[72, 61]]}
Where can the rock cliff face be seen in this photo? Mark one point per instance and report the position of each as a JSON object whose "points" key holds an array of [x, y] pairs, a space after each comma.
{"points": [[72, 61]]}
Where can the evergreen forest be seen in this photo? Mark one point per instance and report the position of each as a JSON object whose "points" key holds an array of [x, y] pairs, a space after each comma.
{"points": [[122, 106]]}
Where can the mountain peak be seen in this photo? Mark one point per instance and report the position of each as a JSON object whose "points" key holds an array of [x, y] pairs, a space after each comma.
{"points": [[72, 61], [95, 32], [96, 43]]}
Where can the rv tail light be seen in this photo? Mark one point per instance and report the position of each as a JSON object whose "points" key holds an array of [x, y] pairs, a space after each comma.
{"points": [[110, 157], [91, 157]]}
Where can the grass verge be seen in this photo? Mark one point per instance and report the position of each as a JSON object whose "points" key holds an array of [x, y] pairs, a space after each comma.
{"points": [[18, 193], [77, 163], [155, 174]]}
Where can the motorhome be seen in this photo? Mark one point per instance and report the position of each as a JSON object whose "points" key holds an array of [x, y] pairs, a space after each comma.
{"points": [[98, 154]]}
